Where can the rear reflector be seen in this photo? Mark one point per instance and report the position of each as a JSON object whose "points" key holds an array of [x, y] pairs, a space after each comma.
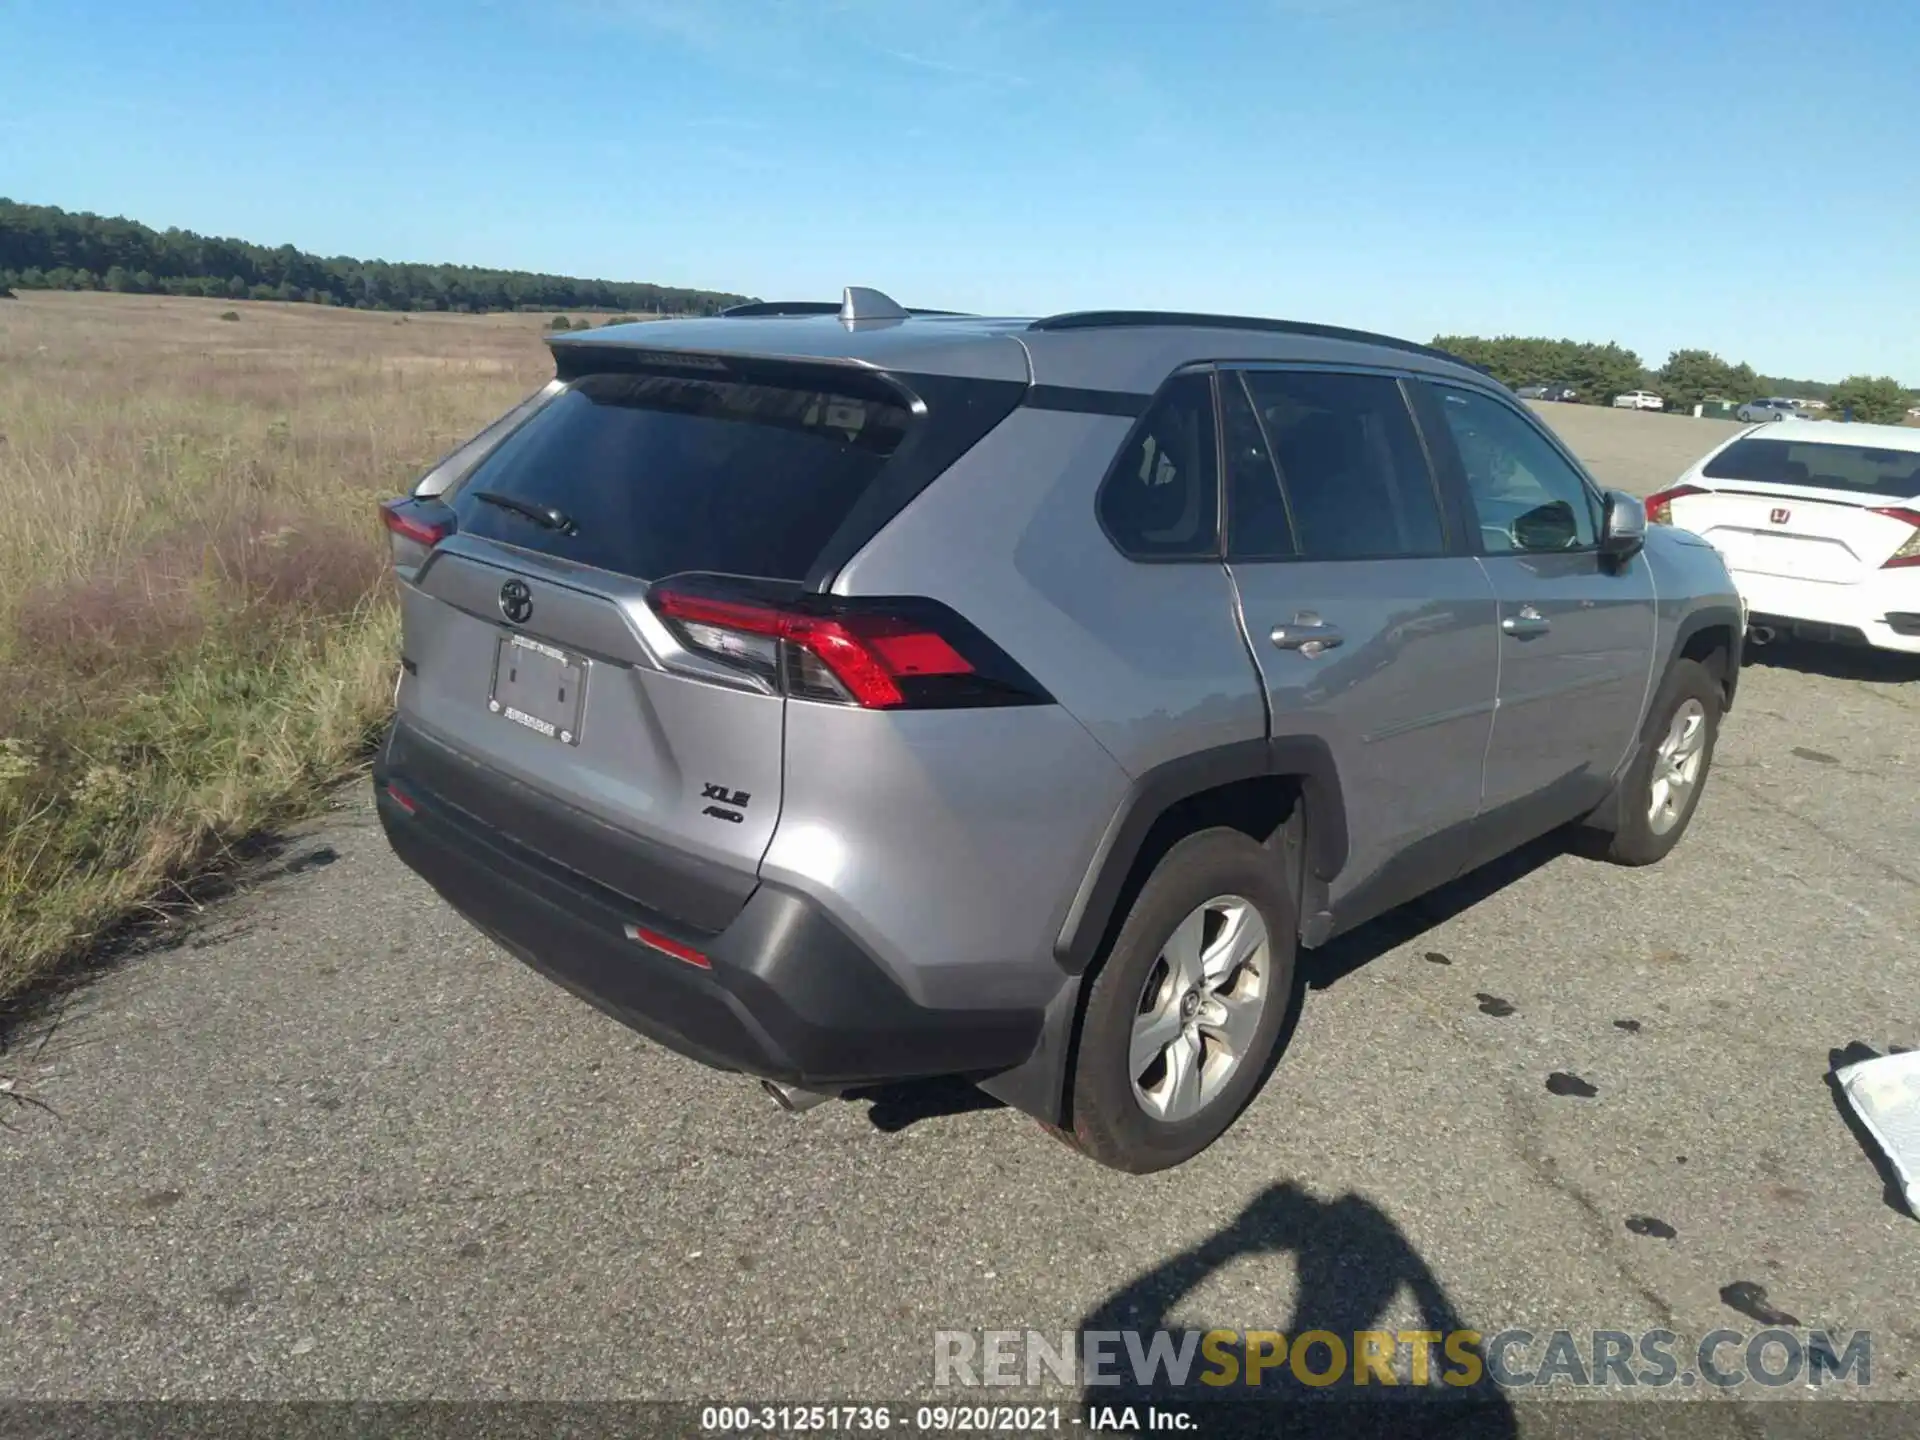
{"points": [[878, 654], [1660, 504], [653, 940], [402, 799], [1909, 551]]}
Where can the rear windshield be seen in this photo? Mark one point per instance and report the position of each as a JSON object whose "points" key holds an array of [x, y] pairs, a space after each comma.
{"points": [[660, 474], [1863, 468]]}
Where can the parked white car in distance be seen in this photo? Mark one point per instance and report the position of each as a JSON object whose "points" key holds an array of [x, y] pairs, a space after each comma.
{"points": [[1639, 400], [1819, 525]]}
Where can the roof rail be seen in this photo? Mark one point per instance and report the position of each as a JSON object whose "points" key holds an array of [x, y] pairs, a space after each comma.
{"points": [[781, 307], [757, 308], [1126, 319]]}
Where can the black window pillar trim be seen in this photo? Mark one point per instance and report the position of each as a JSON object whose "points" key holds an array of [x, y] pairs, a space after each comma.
{"points": [[1449, 472], [1238, 374]]}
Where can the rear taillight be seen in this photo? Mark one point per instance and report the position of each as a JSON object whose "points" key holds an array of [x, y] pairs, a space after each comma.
{"points": [[879, 654], [1909, 551], [415, 527], [413, 520], [1660, 504]]}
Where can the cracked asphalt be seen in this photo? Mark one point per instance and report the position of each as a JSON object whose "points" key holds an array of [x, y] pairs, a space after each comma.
{"points": [[321, 1140]]}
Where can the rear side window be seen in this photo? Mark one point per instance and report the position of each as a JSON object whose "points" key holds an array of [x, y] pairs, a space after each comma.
{"points": [[1355, 478], [1864, 468], [1161, 500], [655, 475]]}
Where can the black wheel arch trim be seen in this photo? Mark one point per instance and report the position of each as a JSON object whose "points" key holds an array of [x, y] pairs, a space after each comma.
{"points": [[1091, 914], [1708, 617]]}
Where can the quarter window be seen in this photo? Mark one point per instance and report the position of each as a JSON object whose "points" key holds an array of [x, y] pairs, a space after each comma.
{"points": [[1161, 501], [1526, 497], [1354, 478]]}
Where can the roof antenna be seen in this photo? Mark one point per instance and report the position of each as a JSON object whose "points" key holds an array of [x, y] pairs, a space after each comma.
{"points": [[860, 303]]}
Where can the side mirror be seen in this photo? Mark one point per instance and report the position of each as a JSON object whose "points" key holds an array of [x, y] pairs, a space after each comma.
{"points": [[1625, 532]]}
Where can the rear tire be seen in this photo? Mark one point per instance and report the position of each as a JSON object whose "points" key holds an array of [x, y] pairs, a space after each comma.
{"points": [[1661, 789], [1152, 1085]]}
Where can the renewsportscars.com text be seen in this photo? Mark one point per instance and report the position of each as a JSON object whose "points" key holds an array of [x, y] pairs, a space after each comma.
{"points": [[1220, 1360]]}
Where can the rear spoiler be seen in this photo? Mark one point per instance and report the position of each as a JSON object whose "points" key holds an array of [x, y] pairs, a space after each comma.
{"points": [[858, 378]]}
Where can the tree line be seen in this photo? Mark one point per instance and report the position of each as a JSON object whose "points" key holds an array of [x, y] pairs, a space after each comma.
{"points": [[43, 247], [1688, 378]]}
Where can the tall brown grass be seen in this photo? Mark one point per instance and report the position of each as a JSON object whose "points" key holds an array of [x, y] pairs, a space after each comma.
{"points": [[196, 632]]}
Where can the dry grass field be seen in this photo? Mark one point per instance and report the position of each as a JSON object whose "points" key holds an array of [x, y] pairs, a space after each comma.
{"points": [[193, 633]]}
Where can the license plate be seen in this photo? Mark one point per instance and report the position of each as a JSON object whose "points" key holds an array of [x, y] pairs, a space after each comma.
{"points": [[539, 687]]}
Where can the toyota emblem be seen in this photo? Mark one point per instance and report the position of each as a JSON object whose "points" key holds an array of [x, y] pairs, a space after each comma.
{"points": [[516, 601], [1780, 517]]}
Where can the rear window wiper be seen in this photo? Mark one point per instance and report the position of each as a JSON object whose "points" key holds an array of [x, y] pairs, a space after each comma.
{"points": [[550, 516]]}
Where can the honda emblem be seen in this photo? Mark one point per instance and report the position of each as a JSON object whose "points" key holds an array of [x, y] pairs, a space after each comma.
{"points": [[1780, 517]]}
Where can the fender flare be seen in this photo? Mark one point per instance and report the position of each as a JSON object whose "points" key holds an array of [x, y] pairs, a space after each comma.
{"points": [[1090, 915], [1705, 618]]}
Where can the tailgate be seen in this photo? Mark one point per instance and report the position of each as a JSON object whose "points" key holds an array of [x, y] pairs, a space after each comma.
{"points": [[544, 697], [564, 732]]}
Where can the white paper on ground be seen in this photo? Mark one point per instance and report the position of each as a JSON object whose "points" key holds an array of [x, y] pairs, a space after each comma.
{"points": [[1885, 1094]]}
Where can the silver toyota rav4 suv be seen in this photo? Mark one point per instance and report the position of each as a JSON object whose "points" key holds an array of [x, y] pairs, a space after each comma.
{"points": [[846, 694]]}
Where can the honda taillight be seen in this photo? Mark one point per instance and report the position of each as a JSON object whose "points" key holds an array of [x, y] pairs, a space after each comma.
{"points": [[1909, 551], [879, 654], [1660, 504]]}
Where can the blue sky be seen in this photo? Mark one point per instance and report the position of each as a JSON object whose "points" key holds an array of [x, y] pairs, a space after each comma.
{"points": [[1740, 176]]}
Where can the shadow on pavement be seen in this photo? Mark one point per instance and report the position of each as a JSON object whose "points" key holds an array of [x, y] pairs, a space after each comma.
{"points": [[894, 1107], [1340, 957], [1352, 1264], [1836, 662]]}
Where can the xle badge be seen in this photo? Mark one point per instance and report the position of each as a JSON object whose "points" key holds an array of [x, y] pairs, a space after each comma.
{"points": [[725, 797]]}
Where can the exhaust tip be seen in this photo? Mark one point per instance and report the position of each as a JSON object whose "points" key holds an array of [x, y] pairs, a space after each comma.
{"points": [[1763, 634], [791, 1098]]}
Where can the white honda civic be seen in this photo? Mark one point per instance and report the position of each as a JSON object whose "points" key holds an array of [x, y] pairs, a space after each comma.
{"points": [[1819, 525]]}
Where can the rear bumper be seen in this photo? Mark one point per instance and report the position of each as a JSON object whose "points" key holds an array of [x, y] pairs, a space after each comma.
{"points": [[787, 994], [1878, 610]]}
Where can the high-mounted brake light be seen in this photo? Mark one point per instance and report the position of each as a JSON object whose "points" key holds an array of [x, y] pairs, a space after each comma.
{"points": [[404, 519], [1660, 504], [878, 654], [1909, 551]]}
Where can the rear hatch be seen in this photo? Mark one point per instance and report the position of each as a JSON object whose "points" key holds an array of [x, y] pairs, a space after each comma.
{"points": [[588, 663], [1802, 509]]}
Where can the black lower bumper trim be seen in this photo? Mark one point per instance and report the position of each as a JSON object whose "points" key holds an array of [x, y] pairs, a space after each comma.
{"points": [[1820, 630], [1903, 623], [789, 994]]}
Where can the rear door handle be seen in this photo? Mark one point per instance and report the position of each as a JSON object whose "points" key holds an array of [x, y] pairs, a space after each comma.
{"points": [[1307, 633], [1526, 623]]}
